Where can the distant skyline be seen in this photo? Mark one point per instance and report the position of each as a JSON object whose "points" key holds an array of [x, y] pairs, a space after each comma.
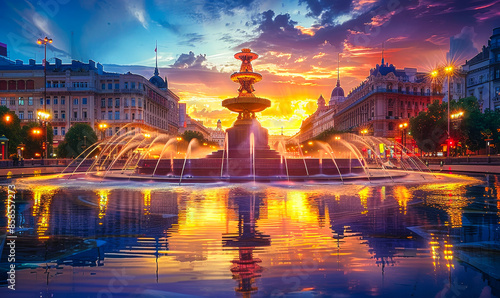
{"points": [[297, 41]]}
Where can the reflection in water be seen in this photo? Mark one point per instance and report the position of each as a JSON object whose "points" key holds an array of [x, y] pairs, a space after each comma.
{"points": [[245, 267], [348, 240]]}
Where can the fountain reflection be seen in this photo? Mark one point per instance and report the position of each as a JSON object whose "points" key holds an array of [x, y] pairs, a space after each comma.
{"points": [[245, 267]]}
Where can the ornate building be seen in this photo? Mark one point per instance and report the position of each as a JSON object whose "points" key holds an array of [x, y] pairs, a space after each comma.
{"points": [[483, 74], [386, 98], [218, 135], [84, 93]]}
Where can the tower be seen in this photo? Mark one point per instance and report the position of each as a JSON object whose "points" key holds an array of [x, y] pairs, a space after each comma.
{"points": [[337, 93]]}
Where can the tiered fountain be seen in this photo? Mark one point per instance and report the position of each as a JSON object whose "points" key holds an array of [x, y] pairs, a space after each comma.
{"points": [[246, 154]]}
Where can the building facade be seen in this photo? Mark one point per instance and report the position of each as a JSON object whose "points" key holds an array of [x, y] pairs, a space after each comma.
{"points": [[385, 99], [218, 135], [483, 74], [84, 93]]}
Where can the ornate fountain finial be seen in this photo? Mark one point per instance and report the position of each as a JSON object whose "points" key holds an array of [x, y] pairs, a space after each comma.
{"points": [[246, 104]]}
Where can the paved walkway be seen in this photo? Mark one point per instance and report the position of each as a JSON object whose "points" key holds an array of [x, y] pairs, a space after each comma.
{"points": [[489, 169]]}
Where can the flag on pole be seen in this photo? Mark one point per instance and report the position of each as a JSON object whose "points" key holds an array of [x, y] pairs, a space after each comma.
{"points": [[156, 48]]}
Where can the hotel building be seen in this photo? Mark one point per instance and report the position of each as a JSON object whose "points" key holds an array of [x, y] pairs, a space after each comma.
{"points": [[84, 93]]}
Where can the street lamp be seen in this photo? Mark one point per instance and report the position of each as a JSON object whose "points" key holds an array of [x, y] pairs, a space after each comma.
{"points": [[102, 127], [8, 118], [44, 41], [449, 72], [364, 132], [403, 127]]}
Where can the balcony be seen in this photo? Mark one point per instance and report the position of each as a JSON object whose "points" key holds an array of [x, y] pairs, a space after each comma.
{"points": [[80, 120]]}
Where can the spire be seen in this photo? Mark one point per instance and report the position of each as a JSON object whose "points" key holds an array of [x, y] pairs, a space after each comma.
{"points": [[338, 70], [383, 45], [156, 52]]}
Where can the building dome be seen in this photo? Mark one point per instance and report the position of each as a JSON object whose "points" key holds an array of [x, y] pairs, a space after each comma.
{"points": [[338, 91], [158, 82]]}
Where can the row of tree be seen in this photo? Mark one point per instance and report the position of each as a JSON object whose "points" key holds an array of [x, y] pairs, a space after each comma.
{"points": [[467, 132]]}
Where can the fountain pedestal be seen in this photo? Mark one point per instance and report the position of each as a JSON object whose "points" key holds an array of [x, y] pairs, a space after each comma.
{"points": [[238, 138]]}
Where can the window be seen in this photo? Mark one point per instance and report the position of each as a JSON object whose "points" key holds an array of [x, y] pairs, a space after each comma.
{"points": [[84, 101], [84, 114], [117, 115], [30, 114], [21, 115], [3, 101], [126, 85], [63, 115], [63, 131], [133, 102], [103, 86], [41, 101], [103, 115], [110, 86], [56, 115], [497, 75], [140, 86], [117, 86], [133, 116], [117, 103], [75, 101], [459, 87], [13, 101], [110, 115], [103, 102], [132, 85], [55, 100], [56, 131], [21, 101], [139, 102], [48, 101], [75, 114], [30, 84], [390, 113], [63, 100], [125, 102], [126, 116], [110, 102]]}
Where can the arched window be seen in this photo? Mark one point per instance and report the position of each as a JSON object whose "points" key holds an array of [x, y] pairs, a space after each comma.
{"points": [[407, 90], [3, 85], [30, 84], [389, 87], [21, 85], [12, 85]]}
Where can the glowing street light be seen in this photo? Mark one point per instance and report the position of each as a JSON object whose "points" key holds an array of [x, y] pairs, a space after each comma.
{"points": [[337, 138], [147, 135], [7, 118], [403, 127], [364, 131], [310, 143], [36, 131], [102, 128], [44, 41], [179, 139]]}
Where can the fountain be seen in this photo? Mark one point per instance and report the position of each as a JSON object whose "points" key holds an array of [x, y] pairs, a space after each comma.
{"points": [[246, 155]]}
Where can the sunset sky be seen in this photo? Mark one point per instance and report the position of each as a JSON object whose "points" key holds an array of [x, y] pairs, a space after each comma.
{"points": [[298, 42]]}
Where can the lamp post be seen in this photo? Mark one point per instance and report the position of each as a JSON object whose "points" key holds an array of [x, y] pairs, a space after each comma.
{"points": [[43, 117], [45, 41], [403, 127], [449, 71], [102, 128]]}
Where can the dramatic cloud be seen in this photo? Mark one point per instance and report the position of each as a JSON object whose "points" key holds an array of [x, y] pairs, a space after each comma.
{"points": [[462, 45], [216, 8], [190, 61]]}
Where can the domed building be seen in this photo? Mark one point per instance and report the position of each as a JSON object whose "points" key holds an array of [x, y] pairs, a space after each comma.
{"points": [[337, 93], [157, 80]]}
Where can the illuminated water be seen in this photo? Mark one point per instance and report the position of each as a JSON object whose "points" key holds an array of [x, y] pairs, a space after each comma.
{"points": [[390, 240]]}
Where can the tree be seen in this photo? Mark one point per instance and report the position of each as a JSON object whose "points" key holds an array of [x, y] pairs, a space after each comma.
{"points": [[188, 135], [79, 137], [10, 127], [429, 129]]}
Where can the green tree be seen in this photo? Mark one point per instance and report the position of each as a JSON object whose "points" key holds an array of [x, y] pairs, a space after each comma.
{"points": [[429, 129], [79, 137], [188, 135], [10, 126]]}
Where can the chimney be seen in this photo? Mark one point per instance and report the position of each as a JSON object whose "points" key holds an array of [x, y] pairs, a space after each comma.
{"points": [[91, 64], [19, 62], [32, 62]]}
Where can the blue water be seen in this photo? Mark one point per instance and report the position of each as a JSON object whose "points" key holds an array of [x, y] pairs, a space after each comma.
{"points": [[302, 240]]}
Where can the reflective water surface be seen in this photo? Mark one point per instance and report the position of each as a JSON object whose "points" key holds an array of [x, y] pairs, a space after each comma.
{"points": [[353, 240]]}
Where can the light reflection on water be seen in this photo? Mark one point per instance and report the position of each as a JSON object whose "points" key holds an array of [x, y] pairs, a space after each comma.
{"points": [[348, 240]]}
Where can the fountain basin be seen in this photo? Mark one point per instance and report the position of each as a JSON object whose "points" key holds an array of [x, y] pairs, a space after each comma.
{"points": [[252, 104]]}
